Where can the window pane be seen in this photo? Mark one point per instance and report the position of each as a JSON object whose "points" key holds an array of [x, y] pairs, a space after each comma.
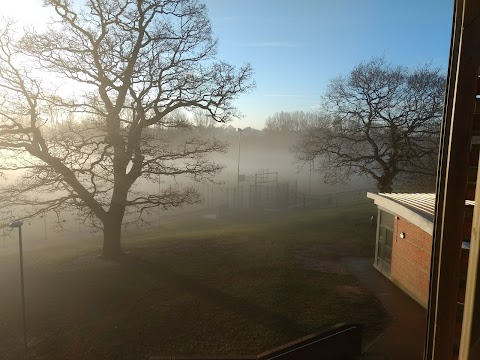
{"points": [[387, 254], [386, 219], [388, 237], [381, 234]]}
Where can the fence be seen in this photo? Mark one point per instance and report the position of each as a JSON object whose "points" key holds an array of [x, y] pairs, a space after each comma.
{"points": [[260, 190], [274, 194]]}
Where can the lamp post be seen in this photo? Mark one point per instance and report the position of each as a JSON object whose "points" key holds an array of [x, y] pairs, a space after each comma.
{"points": [[238, 168], [18, 224], [159, 194], [310, 179]]}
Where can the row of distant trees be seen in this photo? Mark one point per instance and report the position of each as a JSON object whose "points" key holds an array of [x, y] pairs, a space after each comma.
{"points": [[293, 121]]}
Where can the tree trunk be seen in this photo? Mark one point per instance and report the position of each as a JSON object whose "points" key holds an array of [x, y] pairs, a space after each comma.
{"points": [[112, 233], [384, 185], [112, 223]]}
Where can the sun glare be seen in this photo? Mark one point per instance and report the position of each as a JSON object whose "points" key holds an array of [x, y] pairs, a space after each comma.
{"points": [[25, 12]]}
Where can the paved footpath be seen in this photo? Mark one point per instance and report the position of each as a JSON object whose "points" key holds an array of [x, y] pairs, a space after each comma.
{"points": [[405, 336]]}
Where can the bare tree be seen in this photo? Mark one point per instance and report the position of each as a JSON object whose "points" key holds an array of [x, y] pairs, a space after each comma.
{"points": [[290, 121], [202, 120], [132, 63], [382, 122]]}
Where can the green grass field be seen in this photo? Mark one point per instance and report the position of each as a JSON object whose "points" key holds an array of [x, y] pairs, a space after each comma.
{"points": [[237, 285]]}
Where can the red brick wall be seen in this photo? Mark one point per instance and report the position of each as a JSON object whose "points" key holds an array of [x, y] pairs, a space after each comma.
{"points": [[411, 258]]}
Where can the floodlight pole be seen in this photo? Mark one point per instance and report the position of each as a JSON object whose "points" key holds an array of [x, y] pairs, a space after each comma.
{"points": [[18, 224]]}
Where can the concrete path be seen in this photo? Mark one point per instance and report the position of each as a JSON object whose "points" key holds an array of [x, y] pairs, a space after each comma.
{"points": [[405, 336]]}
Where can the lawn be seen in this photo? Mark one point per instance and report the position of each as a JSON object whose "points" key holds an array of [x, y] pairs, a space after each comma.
{"points": [[236, 285]]}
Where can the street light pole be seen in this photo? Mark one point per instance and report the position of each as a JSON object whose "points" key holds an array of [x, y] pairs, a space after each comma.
{"points": [[238, 167], [310, 179], [159, 194], [18, 224]]}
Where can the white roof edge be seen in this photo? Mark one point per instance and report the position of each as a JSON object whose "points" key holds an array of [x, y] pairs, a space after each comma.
{"points": [[424, 222]]}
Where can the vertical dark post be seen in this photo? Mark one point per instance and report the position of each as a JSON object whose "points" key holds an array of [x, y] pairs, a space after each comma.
{"points": [[22, 287], [238, 166], [255, 192], [444, 311], [442, 176], [276, 188], [310, 178], [159, 194]]}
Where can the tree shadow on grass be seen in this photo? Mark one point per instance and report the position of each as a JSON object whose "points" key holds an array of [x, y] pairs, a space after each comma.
{"points": [[181, 320], [185, 283]]}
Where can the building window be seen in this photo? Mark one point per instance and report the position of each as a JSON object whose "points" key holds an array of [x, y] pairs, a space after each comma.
{"points": [[385, 240]]}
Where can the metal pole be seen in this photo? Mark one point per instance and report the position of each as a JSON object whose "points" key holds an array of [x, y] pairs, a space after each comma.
{"points": [[159, 194], [310, 179], [238, 163], [23, 288], [276, 188]]}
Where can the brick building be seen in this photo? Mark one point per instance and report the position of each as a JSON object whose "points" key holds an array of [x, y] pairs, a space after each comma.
{"points": [[404, 240]]}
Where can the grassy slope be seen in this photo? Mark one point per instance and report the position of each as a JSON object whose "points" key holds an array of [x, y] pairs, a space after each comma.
{"points": [[239, 285]]}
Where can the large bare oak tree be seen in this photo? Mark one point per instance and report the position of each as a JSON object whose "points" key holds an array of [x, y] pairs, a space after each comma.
{"points": [[380, 121], [129, 65]]}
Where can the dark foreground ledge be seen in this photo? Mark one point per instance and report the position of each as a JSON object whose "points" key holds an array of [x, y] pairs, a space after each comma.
{"points": [[340, 342]]}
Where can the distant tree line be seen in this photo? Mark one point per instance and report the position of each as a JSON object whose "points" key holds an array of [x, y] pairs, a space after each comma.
{"points": [[293, 121]]}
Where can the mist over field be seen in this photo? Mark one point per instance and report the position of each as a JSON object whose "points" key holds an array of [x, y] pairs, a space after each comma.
{"points": [[259, 151]]}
